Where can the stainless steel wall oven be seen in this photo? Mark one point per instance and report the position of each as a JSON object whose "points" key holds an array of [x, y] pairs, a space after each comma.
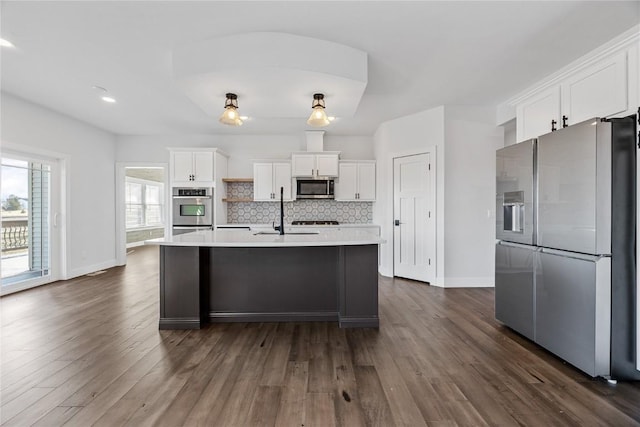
{"points": [[192, 209]]}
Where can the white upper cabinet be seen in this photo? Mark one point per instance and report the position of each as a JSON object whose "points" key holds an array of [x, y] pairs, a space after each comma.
{"points": [[308, 165], [181, 166], [327, 165], [262, 181], [538, 114], [192, 168], [367, 181], [267, 180], [346, 186], [597, 91], [600, 89], [356, 182], [303, 165]]}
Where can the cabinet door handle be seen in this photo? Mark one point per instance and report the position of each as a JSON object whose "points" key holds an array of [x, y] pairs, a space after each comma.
{"points": [[564, 121], [553, 125]]}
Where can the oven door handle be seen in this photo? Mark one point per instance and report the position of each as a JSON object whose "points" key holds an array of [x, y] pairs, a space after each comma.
{"points": [[191, 197]]}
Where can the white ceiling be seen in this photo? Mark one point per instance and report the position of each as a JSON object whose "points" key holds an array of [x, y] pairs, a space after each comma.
{"points": [[420, 54]]}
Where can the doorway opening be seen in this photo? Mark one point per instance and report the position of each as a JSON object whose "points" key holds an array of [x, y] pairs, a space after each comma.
{"points": [[144, 204], [414, 231], [141, 202]]}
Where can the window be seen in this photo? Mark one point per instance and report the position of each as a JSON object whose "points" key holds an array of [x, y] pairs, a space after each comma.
{"points": [[144, 203]]}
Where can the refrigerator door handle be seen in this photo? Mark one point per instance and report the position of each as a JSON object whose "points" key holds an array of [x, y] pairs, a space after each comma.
{"points": [[517, 245], [575, 255]]}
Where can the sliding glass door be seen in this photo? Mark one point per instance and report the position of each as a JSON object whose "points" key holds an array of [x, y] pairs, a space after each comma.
{"points": [[26, 221]]}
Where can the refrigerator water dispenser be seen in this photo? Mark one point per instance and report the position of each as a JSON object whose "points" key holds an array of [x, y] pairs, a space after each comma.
{"points": [[513, 210]]}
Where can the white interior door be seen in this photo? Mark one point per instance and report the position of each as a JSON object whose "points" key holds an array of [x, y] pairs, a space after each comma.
{"points": [[414, 217]]}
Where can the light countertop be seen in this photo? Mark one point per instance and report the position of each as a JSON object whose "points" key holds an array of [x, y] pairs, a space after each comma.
{"points": [[239, 238], [253, 226]]}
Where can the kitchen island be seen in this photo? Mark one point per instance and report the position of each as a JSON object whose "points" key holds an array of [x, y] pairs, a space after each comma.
{"points": [[260, 276]]}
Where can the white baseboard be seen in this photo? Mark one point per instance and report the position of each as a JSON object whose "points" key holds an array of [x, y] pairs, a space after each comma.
{"points": [[27, 284], [438, 282], [81, 271], [135, 244], [386, 272], [453, 282], [469, 282]]}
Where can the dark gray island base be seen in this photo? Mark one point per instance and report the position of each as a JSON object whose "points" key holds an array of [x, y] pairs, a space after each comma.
{"points": [[200, 284]]}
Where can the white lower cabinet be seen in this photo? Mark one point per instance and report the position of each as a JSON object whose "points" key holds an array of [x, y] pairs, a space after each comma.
{"points": [[356, 181], [267, 180]]}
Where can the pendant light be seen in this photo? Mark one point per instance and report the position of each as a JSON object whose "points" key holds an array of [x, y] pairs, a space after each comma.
{"points": [[318, 117], [230, 116]]}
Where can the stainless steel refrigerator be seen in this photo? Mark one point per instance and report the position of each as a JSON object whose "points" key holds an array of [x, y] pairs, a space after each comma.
{"points": [[565, 260]]}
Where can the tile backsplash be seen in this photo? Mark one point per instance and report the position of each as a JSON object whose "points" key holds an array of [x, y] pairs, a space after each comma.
{"points": [[268, 212]]}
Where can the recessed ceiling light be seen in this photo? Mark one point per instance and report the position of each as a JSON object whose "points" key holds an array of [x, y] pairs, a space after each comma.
{"points": [[6, 43], [104, 95]]}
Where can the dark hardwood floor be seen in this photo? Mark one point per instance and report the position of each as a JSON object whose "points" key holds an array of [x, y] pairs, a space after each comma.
{"points": [[88, 352]]}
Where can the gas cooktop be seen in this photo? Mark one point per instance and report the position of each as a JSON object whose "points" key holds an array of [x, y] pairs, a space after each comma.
{"points": [[322, 222]]}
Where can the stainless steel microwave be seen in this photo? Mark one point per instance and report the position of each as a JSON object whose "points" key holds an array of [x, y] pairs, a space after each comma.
{"points": [[315, 189]]}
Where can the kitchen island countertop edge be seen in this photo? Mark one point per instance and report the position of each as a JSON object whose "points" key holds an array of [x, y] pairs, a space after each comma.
{"points": [[249, 238]]}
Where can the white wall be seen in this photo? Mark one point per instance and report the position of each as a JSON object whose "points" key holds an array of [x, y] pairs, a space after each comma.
{"points": [[471, 141], [412, 134], [465, 139], [509, 132], [90, 174], [242, 149]]}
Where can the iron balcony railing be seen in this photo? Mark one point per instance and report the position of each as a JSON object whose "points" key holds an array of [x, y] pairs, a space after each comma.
{"points": [[15, 234]]}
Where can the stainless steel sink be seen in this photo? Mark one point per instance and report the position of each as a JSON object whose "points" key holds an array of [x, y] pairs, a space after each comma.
{"points": [[286, 232]]}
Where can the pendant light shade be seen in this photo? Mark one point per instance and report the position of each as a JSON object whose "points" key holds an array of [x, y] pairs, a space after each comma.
{"points": [[318, 117], [230, 116]]}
